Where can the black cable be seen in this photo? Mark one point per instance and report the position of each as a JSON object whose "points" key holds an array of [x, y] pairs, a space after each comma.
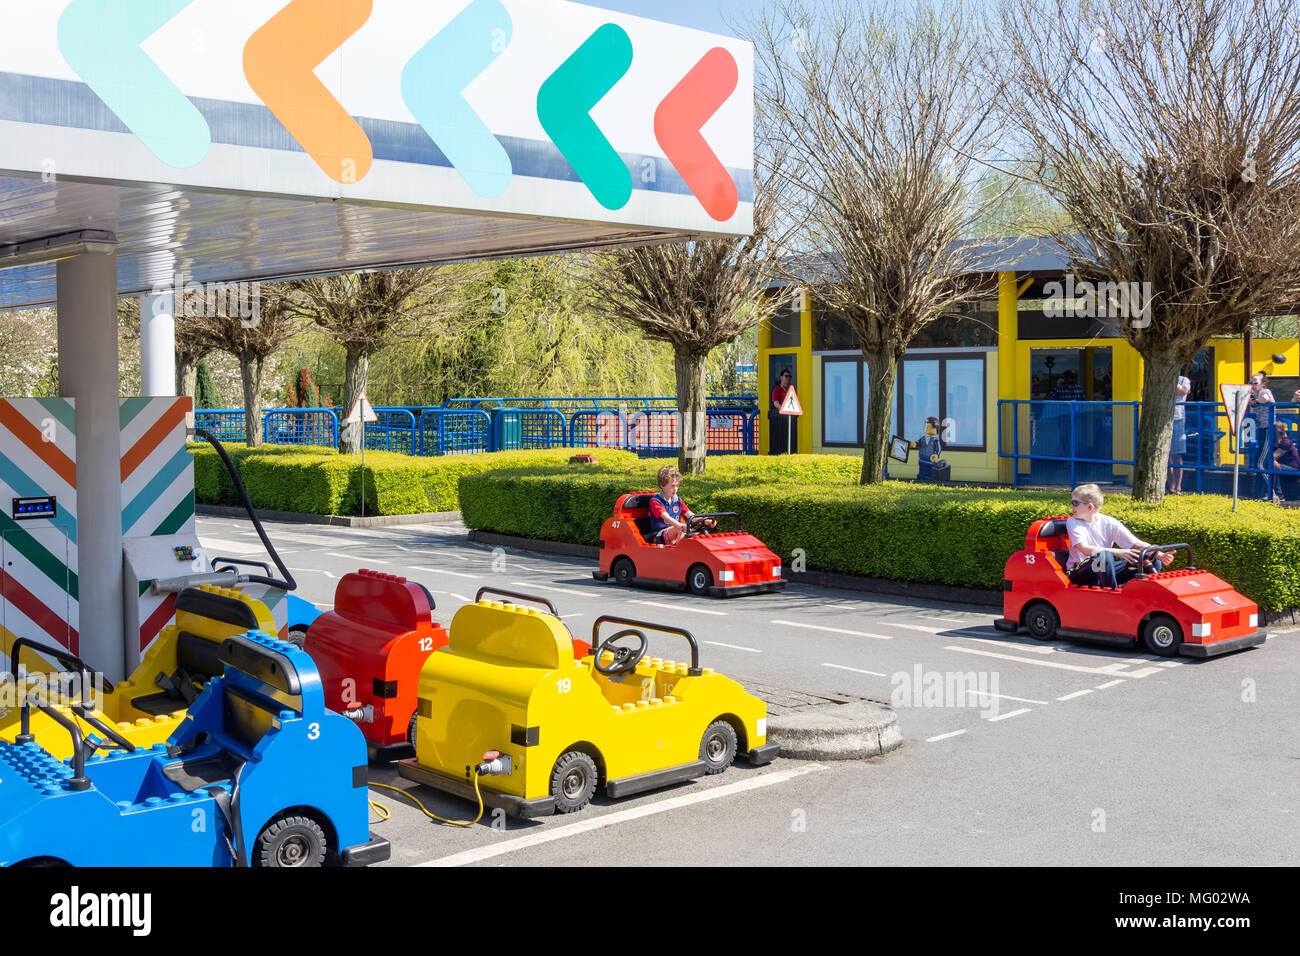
{"points": [[288, 584]]}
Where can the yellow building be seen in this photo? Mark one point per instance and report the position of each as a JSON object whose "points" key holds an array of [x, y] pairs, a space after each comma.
{"points": [[1029, 337]]}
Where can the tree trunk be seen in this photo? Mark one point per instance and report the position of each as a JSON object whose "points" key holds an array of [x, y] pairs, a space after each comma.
{"points": [[356, 376], [882, 371], [692, 435], [186, 373], [250, 371], [1156, 427]]}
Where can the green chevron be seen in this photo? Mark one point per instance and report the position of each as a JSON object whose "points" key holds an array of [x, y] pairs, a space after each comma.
{"points": [[564, 105]]}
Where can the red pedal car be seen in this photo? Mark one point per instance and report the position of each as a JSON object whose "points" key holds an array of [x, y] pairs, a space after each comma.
{"points": [[1187, 611], [369, 650], [712, 562]]}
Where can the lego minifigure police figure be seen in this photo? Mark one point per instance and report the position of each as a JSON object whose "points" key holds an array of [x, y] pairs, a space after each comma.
{"points": [[929, 448]]}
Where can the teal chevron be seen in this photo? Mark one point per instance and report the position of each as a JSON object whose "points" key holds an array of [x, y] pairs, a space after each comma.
{"points": [[167, 475], [101, 40], [17, 537], [564, 105], [62, 411], [432, 85]]}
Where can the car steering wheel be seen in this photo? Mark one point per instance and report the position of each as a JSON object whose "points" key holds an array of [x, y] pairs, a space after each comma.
{"points": [[692, 521], [625, 658]]}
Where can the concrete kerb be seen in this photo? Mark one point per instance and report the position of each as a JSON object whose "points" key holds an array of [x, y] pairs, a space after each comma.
{"points": [[377, 521]]}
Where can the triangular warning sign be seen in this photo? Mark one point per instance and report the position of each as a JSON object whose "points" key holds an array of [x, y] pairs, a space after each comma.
{"points": [[361, 412], [791, 404], [1236, 398]]}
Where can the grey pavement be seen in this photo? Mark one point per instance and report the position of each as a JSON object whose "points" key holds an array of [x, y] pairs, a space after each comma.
{"points": [[1013, 751]]}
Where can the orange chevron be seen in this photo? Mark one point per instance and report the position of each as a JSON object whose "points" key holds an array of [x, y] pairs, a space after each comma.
{"points": [[46, 451], [278, 63], [154, 437]]}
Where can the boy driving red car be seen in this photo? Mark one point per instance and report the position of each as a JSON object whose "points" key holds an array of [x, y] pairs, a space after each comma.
{"points": [[1098, 542], [668, 513]]}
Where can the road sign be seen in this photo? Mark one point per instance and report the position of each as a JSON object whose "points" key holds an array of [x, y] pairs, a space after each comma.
{"points": [[361, 412], [1236, 399], [791, 404]]}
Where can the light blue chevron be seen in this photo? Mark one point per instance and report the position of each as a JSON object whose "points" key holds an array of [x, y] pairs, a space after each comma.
{"points": [[433, 83], [101, 40], [153, 491]]}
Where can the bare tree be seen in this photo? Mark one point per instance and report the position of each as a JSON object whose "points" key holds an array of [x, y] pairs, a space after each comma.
{"points": [[1169, 131], [367, 311], [251, 341], [695, 296], [885, 128]]}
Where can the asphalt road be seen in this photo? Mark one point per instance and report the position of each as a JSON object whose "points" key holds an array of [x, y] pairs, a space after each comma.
{"points": [[1016, 751]]}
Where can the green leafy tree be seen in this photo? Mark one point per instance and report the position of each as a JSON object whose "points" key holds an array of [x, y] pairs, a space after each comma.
{"points": [[205, 390]]}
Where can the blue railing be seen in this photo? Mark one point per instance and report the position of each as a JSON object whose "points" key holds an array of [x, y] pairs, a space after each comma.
{"points": [[1069, 443], [470, 426]]}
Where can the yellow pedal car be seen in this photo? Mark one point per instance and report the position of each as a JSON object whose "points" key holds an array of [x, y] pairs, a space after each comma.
{"points": [[148, 706], [507, 694]]}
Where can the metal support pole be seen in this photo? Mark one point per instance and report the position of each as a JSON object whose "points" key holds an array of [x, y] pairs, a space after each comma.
{"points": [[87, 320], [157, 345]]}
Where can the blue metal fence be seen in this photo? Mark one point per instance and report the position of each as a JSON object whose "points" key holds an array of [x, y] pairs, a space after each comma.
{"points": [[467, 426], [1069, 443]]}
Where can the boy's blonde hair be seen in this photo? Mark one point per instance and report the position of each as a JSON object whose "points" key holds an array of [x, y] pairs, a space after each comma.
{"points": [[667, 473], [1090, 493]]}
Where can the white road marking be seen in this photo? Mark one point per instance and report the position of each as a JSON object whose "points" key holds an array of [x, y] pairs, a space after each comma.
{"points": [[1170, 664], [856, 670], [835, 630], [565, 617], [1077, 693], [1012, 713], [223, 544], [454, 574], [1144, 672], [1030, 648], [548, 834], [331, 575], [353, 557], [679, 607], [954, 733], [544, 587], [459, 597], [1022, 700], [950, 620], [1114, 683], [919, 627], [735, 647], [1107, 669]]}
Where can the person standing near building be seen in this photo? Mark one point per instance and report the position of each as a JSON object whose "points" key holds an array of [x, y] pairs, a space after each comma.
{"points": [[1178, 447], [779, 431], [1068, 389]]}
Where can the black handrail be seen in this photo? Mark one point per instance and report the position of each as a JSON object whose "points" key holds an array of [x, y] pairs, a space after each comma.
{"points": [[662, 628], [1152, 548], [518, 597], [78, 780], [60, 654]]}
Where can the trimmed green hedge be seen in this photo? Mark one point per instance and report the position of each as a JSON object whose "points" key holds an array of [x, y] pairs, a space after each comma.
{"points": [[897, 530], [321, 481]]}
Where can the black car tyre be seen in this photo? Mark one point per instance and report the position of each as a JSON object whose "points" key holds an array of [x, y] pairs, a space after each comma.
{"points": [[573, 781], [290, 841], [1162, 635], [410, 733], [699, 579], [623, 571], [718, 746], [1041, 620]]}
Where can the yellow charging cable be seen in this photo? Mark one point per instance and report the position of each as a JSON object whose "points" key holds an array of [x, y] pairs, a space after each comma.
{"points": [[425, 810]]}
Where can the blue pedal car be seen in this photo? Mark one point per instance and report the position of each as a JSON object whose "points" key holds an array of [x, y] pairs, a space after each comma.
{"points": [[259, 773]]}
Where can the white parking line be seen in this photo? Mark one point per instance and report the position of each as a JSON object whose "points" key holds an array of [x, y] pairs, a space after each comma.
{"points": [[1170, 664], [679, 607], [565, 617], [950, 620], [919, 627], [1114, 683], [954, 733], [835, 630], [856, 670], [1144, 672], [1011, 713], [735, 647], [547, 834], [1107, 669], [1030, 648], [459, 597], [353, 557], [1077, 693], [330, 574], [1021, 700], [454, 574], [545, 587]]}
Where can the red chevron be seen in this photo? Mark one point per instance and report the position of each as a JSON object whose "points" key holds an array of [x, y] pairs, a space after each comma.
{"points": [[678, 119], [156, 621], [29, 604]]}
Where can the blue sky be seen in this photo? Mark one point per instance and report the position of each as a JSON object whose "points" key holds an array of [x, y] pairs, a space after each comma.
{"points": [[700, 14]]}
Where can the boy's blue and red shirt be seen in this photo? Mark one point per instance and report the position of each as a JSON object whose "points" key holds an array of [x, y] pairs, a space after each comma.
{"points": [[660, 506]]}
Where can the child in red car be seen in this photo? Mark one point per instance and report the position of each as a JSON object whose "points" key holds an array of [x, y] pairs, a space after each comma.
{"points": [[668, 513], [1098, 542]]}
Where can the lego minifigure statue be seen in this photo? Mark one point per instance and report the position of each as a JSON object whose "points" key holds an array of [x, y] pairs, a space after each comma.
{"points": [[929, 448]]}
